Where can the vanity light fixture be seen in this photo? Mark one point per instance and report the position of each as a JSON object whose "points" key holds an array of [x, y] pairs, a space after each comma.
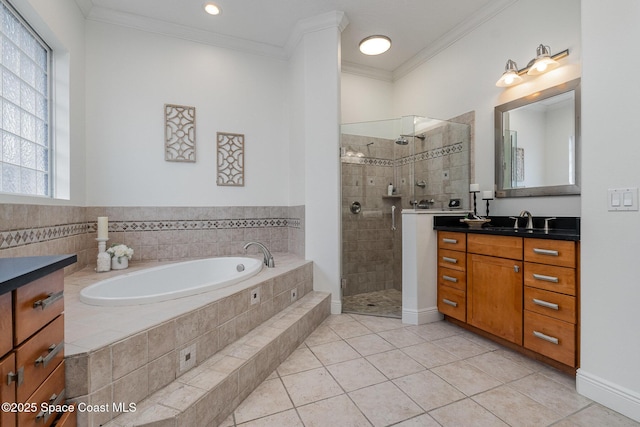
{"points": [[212, 9], [375, 45], [510, 76], [542, 63]]}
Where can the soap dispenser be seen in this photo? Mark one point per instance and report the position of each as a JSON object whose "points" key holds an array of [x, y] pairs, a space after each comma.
{"points": [[390, 190]]}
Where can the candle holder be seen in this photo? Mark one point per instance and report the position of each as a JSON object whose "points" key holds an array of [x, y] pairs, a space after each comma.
{"points": [[104, 259], [487, 207], [475, 207]]}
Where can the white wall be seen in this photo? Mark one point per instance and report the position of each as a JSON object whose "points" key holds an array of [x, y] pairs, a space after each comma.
{"points": [[365, 99], [61, 24], [610, 290], [132, 74], [462, 78]]}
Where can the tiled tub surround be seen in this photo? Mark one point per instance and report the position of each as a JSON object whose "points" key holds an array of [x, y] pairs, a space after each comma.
{"points": [[155, 233], [124, 354]]}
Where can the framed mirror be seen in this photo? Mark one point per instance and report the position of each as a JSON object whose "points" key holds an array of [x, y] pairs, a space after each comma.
{"points": [[537, 141]]}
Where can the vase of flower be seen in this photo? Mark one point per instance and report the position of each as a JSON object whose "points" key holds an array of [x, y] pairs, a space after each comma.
{"points": [[120, 256]]}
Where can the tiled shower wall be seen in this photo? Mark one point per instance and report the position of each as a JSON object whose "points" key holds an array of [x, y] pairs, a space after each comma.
{"points": [[154, 233], [372, 252]]}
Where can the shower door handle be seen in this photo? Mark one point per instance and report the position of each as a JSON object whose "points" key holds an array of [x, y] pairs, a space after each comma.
{"points": [[393, 218]]}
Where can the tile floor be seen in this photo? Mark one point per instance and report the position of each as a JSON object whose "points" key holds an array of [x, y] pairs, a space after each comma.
{"points": [[386, 303], [357, 370]]}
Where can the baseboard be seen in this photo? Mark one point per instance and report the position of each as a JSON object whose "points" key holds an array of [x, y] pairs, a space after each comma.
{"points": [[620, 399], [422, 316], [336, 306]]}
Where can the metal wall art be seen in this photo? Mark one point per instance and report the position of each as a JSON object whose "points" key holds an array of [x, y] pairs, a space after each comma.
{"points": [[230, 159], [179, 133]]}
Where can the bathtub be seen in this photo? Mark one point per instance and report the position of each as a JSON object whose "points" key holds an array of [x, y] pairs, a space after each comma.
{"points": [[170, 281]]}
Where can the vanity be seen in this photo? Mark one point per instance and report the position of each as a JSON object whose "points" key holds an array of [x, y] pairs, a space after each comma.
{"points": [[32, 341], [518, 287]]}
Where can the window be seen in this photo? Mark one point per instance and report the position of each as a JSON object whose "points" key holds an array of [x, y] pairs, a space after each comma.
{"points": [[25, 139]]}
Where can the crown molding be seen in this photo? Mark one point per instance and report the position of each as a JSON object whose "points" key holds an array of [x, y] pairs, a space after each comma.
{"points": [[366, 71], [85, 6], [461, 30], [110, 16], [334, 19]]}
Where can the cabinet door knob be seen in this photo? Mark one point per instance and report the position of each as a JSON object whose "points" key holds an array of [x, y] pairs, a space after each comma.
{"points": [[516, 268]]}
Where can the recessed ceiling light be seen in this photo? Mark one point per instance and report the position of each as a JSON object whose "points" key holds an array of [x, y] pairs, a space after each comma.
{"points": [[375, 45], [212, 9]]}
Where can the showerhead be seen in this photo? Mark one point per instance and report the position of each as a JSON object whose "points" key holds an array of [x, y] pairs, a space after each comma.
{"points": [[402, 141]]}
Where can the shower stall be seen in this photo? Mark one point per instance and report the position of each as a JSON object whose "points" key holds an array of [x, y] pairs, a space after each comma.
{"points": [[389, 165]]}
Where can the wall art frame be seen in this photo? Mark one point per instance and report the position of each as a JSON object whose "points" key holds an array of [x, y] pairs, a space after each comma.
{"points": [[179, 133], [230, 159]]}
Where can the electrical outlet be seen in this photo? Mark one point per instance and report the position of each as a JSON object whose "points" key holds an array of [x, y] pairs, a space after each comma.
{"points": [[294, 294], [187, 358], [255, 296]]}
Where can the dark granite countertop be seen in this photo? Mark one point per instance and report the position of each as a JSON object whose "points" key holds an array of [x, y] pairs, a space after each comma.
{"points": [[562, 228], [16, 272]]}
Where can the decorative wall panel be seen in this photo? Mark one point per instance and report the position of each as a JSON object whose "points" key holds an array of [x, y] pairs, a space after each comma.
{"points": [[179, 133], [230, 159]]}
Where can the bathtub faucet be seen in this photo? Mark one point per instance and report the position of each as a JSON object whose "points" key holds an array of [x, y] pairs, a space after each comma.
{"points": [[268, 258]]}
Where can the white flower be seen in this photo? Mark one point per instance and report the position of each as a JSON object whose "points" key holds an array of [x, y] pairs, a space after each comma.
{"points": [[119, 251]]}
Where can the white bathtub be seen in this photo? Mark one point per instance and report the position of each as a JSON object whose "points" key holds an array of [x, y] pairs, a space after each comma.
{"points": [[170, 281]]}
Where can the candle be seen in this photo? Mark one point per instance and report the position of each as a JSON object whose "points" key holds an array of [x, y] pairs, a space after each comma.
{"points": [[487, 195], [103, 227], [474, 188]]}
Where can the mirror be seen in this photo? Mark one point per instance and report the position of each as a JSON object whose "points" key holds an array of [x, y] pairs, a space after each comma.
{"points": [[537, 141]]}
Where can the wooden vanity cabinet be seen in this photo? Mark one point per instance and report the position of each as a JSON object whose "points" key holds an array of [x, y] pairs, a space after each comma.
{"points": [[551, 305], [494, 285], [33, 369], [452, 274], [523, 290]]}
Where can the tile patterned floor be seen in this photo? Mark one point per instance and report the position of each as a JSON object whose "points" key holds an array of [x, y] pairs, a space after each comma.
{"points": [[386, 303], [359, 370]]}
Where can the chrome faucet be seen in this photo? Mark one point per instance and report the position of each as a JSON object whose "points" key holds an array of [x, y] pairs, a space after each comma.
{"points": [[268, 258], [527, 214]]}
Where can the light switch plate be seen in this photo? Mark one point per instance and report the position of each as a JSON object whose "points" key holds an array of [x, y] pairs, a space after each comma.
{"points": [[623, 199]]}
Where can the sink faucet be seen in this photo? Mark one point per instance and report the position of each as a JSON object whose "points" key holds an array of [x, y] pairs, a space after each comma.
{"points": [[527, 214], [268, 258]]}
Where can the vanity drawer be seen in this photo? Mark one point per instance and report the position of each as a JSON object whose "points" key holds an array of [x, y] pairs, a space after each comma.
{"points": [[68, 419], [452, 259], [6, 324], [7, 391], [452, 302], [551, 337], [37, 304], [453, 278], [39, 356], [51, 391], [552, 304], [496, 246], [550, 277], [452, 240], [554, 252]]}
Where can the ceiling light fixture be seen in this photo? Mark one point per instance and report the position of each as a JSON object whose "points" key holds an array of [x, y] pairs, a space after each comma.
{"points": [[375, 45], [542, 63], [212, 9]]}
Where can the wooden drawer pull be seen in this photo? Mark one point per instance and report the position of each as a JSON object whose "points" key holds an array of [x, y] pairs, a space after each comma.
{"points": [[449, 302], [546, 304], [453, 241], [51, 354], [449, 278], [546, 252], [451, 260], [545, 278], [542, 336], [54, 400], [51, 298], [16, 376]]}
